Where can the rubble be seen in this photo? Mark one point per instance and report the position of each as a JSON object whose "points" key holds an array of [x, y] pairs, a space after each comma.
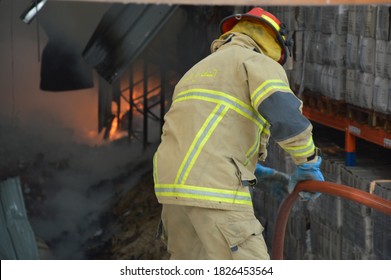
{"points": [[133, 219]]}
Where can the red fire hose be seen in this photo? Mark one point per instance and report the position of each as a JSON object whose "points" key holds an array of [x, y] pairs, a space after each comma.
{"points": [[333, 189]]}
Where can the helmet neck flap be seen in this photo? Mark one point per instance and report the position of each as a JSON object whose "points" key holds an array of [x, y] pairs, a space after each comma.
{"points": [[262, 18]]}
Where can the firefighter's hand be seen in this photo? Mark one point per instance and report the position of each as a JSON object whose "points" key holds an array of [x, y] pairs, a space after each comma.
{"points": [[306, 171], [263, 172]]}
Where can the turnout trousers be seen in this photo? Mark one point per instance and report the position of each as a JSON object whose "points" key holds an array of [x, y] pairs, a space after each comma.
{"points": [[196, 233]]}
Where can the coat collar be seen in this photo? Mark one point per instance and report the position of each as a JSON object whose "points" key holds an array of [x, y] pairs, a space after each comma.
{"points": [[235, 38]]}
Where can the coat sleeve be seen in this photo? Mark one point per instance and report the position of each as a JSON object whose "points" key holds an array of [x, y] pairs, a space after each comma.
{"points": [[288, 126], [273, 98]]}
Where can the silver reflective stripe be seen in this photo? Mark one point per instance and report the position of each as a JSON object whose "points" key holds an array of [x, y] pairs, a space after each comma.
{"points": [[199, 141], [253, 150], [228, 100], [203, 193], [267, 87], [301, 151]]}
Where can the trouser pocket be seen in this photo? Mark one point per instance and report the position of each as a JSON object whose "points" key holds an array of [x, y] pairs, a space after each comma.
{"points": [[245, 239]]}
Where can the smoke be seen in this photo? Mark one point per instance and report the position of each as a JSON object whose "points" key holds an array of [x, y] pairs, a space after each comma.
{"points": [[69, 175], [79, 195], [20, 96], [68, 185]]}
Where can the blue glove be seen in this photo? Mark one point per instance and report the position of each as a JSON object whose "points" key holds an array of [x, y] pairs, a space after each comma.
{"points": [[274, 182], [263, 172], [306, 171]]}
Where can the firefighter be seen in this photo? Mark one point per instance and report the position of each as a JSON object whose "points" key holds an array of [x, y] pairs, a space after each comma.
{"points": [[224, 110]]}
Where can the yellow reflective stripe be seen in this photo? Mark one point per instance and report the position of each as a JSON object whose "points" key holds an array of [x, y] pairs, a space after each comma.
{"points": [[309, 142], [216, 93], [203, 193], [205, 198], [199, 142], [303, 150], [266, 131], [232, 193], [266, 87], [223, 98], [253, 150], [272, 22], [220, 97]]}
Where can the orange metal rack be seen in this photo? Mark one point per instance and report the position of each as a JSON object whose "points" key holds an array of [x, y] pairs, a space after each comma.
{"points": [[352, 130]]}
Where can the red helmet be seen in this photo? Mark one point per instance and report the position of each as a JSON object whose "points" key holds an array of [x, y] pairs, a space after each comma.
{"points": [[263, 17]]}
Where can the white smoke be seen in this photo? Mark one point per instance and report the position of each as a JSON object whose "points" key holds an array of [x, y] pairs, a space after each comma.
{"points": [[68, 185]]}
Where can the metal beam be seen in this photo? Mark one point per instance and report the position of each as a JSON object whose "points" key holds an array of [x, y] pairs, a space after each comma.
{"points": [[246, 2]]}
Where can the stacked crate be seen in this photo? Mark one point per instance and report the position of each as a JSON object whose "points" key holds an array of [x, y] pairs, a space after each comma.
{"points": [[341, 55], [268, 196], [297, 240], [357, 221], [368, 45], [358, 226], [382, 223], [326, 215], [324, 48], [338, 228], [266, 200], [294, 18], [333, 44]]}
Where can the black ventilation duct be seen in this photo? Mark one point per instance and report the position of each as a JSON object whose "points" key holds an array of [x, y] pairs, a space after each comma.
{"points": [[63, 68], [68, 26]]}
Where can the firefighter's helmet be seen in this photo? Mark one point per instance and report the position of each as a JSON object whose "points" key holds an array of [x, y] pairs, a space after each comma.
{"points": [[260, 16]]}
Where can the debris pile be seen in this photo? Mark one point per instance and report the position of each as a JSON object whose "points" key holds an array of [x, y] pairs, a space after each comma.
{"points": [[134, 218]]}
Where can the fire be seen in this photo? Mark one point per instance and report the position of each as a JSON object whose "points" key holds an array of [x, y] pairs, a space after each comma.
{"points": [[115, 131], [114, 128], [133, 111]]}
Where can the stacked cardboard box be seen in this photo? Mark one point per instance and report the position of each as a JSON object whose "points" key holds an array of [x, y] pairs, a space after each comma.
{"points": [[338, 228], [267, 198], [382, 224], [342, 52], [324, 50], [368, 84], [358, 226], [326, 215]]}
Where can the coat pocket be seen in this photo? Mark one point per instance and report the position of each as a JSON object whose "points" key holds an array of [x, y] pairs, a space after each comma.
{"points": [[247, 178]]}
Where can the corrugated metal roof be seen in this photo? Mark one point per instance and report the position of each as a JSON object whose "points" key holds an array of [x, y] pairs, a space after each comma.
{"points": [[122, 34]]}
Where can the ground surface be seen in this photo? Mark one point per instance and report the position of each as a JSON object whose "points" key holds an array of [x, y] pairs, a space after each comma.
{"points": [[136, 216], [83, 201]]}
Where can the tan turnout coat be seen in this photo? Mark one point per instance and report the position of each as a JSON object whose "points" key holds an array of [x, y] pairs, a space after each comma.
{"points": [[213, 135]]}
